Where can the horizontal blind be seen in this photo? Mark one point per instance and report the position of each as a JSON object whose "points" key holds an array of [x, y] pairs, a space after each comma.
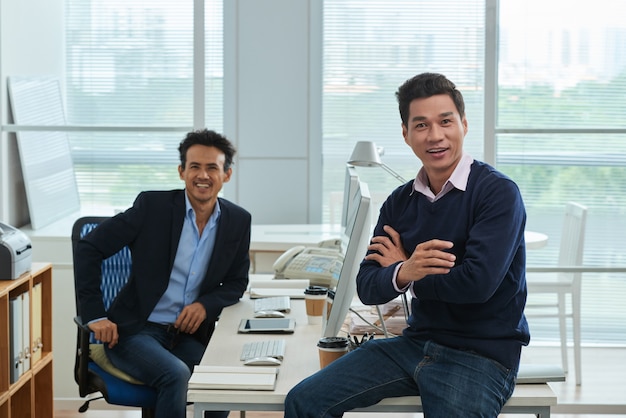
{"points": [[561, 90], [369, 49], [560, 130], [130, 64]]}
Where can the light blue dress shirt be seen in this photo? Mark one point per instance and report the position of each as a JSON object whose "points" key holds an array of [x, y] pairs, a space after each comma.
{"points": [[192, 259]]}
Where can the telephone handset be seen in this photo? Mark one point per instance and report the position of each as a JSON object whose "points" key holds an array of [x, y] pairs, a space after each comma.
{"points": [[320, 265]]}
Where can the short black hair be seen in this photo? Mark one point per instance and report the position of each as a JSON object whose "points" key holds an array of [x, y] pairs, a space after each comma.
{"points": [[210, 139], [426, 85]]}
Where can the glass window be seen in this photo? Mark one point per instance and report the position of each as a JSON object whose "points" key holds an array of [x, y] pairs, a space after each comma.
{"points": [[130, 80], [370, 49], [559, 130], [561, 135]]}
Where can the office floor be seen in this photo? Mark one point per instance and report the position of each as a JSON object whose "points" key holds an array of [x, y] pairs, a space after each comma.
{"points": [[602, 392]]}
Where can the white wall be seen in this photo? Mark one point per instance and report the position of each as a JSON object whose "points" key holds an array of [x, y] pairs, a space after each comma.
{"points": [[31, 43], [272, 112], [272, 109]]}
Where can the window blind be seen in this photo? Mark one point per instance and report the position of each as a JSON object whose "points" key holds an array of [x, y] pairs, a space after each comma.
{"points": [[369, 49], [130, 67], [561, 135]]}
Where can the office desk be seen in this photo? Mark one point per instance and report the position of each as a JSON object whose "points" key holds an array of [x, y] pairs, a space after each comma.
{"points": [[535, 240], [284, 236], [267, 242], [301, 360]]}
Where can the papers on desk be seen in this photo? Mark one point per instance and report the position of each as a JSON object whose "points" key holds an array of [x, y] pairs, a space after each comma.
{"points": [[233, 377], [539, 373], [294, 288]]}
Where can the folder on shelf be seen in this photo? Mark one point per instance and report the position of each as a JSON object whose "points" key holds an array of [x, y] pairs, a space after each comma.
{"points": [[241, 378], [36, 346], [25, 331], [15, 325]]}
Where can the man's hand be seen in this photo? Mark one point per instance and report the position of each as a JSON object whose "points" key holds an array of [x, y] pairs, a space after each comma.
{"points": [[387, 250], [190, 318], [428, 258], [105, 331]]}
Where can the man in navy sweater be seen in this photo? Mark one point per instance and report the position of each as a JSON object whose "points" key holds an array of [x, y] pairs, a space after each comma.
{"points": [[454, 239]]}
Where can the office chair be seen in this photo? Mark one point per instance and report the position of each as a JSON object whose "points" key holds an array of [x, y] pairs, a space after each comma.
{"points": [[562, 284], [92, 371]]}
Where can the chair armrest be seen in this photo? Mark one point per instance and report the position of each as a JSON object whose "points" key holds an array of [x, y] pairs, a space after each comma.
{"points": [[81, 363], [79, 322]]}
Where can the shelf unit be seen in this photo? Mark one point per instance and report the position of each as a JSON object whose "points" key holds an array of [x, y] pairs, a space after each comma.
{"points": [[31, 395]]}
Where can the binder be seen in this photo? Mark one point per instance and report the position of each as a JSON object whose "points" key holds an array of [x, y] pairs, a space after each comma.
{"points": [[25, 331], [225, 377], [294, 288], [37, 345], [15, 325]]}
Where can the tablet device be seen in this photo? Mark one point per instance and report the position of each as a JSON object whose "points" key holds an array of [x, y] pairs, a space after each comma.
{"points": [[267, 325]]}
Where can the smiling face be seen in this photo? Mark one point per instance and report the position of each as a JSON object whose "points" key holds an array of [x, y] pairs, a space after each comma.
{"points": [[204, 174], [435, 133]]}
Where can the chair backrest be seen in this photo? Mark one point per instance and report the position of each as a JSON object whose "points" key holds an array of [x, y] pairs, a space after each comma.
{"points": [[572, 238], [92, 375], [115, 269]]}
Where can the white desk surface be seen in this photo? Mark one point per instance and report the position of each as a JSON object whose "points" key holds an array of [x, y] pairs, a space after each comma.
{"points": [[281, 237], [535, 240], [301, 360]]}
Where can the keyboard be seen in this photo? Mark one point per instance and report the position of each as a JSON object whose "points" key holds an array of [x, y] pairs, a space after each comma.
{"points": [[275, 303], [265, 348]]}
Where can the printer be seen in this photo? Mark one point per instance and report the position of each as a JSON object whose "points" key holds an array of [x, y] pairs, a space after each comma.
{"points": [[15, 252]]}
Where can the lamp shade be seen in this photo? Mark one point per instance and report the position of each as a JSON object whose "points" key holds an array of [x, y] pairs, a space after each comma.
{"points": [[365, 154]]}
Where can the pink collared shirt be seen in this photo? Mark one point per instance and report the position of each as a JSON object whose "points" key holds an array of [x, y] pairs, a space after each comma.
{"points": [[457, 180]]}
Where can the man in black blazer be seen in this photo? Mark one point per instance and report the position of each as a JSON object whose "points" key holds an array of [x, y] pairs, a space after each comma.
{"points": [[190, 258]]}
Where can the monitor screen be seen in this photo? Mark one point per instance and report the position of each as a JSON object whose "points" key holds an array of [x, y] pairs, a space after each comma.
{"points": [[349, 190], [357, 234]]}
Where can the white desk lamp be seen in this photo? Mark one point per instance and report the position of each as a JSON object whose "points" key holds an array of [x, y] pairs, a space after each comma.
{"points": [[367, 154]]}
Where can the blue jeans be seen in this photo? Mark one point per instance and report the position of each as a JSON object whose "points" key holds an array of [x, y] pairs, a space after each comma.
{"points": [[163, 360], [450, 382]]}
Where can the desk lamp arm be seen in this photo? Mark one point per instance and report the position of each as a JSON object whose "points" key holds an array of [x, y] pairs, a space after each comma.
{"points": [[393, 173]]}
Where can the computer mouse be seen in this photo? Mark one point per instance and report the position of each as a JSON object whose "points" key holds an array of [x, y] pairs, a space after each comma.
{"points": [[262, 361], [269, 314]]}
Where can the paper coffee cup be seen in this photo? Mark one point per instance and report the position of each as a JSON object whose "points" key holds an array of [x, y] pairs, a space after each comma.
{"points": [[315, 299], [330, 349]]}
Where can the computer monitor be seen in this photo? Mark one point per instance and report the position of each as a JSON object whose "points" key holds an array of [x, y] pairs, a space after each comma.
{"points": [[357, 234], [349, 190]]}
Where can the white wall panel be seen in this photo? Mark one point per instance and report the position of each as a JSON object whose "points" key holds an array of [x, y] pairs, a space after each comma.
{"points": [[273, 84], [275, 191]]}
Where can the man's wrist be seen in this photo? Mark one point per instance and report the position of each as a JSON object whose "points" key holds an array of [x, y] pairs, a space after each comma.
{"points": [[400, 285]]}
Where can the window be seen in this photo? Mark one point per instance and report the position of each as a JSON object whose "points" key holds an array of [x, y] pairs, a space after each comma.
{"points": [[372, 47], [561, 135], [130, 83], [558, 126]]}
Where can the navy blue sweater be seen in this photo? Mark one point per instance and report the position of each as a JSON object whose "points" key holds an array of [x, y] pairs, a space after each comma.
{"points": [[479, 304]]}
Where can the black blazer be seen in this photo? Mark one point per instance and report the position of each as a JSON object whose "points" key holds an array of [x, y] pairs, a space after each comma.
{"points": [[151, 228]]}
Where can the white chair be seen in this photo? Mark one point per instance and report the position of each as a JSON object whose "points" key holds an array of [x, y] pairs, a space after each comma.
{"points": [[562, 284]]}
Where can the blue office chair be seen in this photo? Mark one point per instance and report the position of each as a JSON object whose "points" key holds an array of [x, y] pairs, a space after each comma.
{"points": [[92, 371]]}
